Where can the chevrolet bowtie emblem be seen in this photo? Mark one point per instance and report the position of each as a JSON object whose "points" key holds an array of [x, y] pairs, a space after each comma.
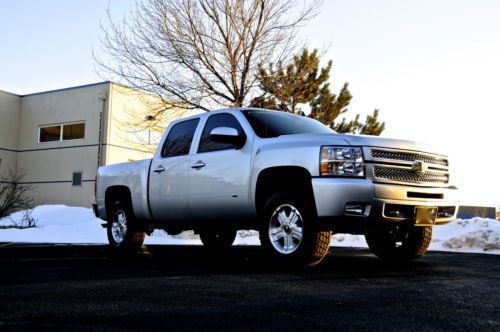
{"points": [[420, 167]]}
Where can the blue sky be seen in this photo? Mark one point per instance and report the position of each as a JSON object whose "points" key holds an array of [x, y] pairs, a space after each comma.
{"points": [[47, 44], [431, 67]]}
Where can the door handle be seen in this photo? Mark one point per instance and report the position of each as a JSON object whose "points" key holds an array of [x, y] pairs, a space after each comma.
{"points": [[199, 164], [159, 169]]}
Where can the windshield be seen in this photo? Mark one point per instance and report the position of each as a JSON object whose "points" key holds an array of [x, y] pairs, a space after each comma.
{"points": [[268, 124]]}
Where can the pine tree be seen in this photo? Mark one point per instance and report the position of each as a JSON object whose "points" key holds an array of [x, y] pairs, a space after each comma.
{"points": [[326, 107], [372, 126], [297, 83], [304, 82], [351, 127]]}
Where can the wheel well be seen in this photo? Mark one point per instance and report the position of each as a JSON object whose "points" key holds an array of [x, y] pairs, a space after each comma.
{"points": [[118, 193], [283, 179]]}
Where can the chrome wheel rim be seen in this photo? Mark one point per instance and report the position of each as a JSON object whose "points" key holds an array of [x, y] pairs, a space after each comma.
{"points": [[286, 229], [119, 227]]}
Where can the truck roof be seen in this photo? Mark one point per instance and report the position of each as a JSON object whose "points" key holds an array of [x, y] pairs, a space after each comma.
{"points": [[222, 110]]}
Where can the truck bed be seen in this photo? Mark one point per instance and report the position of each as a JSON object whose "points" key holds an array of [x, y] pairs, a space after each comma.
{"points": [[133, 175]]}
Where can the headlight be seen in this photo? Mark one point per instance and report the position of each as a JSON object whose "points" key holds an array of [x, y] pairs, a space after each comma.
{"points": [[342, 161]]}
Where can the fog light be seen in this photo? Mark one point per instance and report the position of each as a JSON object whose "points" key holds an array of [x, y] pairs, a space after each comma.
{"points": [[446, 212], [354, 209], [396, 214], [399, 211]]}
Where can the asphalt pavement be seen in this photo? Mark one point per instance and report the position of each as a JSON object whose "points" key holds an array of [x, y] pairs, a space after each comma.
{"points": [[184, 288]]}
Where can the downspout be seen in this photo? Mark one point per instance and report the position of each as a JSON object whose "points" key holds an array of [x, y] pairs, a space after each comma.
{"points": [[103, 98]]}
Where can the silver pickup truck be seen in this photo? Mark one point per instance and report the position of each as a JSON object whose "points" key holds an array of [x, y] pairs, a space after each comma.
{"points": [[290, 177]]}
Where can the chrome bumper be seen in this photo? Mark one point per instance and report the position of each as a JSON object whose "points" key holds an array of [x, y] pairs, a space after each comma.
{"points": [[382, 201]]}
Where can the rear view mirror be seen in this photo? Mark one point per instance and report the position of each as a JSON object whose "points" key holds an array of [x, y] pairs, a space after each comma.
{"points": [[227, 135]]}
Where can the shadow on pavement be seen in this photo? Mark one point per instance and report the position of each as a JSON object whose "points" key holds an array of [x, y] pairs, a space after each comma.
{"points": [[87, 288], [102, 262]]}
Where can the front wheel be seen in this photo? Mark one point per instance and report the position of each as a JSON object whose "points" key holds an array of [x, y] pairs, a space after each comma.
{"points": [[287, 232], [218, 239], [399, 245], [121, 229]]}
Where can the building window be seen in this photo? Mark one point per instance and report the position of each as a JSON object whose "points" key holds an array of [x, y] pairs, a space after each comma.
{"points": [[50, 134], [73, 131], [77, 179], [62, 132]]}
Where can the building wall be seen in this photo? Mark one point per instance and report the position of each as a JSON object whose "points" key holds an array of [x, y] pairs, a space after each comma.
{"points": [[50, 173], [49, 166], [127, 109], [108, 111], [10, 105]]}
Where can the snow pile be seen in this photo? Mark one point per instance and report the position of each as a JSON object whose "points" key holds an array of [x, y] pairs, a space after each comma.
{"points": [[63, 224], [55, 224], [476, 235], [244, 238], [161, 237], [349, 240], [468, 235]]}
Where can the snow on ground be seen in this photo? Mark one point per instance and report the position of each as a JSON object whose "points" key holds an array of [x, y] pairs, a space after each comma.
{"points": [[63, 224], [479, 235]]}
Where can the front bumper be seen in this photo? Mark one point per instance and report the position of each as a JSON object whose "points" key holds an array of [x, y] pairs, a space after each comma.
{"points": [[385, 202]]}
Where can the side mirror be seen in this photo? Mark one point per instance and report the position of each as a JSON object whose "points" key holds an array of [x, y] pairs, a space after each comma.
{"points": [[227, 135]]}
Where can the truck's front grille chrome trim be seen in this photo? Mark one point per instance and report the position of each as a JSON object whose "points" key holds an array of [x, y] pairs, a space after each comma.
{"points": [[405, 167], [408, 175], [386, 154]]}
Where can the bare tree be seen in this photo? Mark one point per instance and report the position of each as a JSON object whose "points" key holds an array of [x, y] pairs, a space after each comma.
{"points": [[201, 54], [14, 194]]}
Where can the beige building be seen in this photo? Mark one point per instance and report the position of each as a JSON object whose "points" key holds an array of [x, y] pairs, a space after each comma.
{"points": [[59, 138]]}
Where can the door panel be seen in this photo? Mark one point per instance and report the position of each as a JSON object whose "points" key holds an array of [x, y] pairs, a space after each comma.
{"points": [[168, 178], [168, 189], [219, 176], [219, 190]]}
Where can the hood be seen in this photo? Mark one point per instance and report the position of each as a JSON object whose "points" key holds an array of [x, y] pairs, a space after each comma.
{"points": [[375, 141], [357, 140]]}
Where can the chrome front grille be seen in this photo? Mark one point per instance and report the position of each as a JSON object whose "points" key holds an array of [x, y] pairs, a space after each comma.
{"points": [[408, 176], [409, 156], [404, 167]]}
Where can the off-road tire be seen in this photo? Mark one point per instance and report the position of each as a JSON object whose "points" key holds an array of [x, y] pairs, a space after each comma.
{"points": [[315, 243], [218, 240], [134, 236], [412, 245]]}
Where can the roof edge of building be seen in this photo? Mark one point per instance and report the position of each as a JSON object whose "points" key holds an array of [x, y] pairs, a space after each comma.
{"points": [[10, 93], [66, 89], [70, 88]]}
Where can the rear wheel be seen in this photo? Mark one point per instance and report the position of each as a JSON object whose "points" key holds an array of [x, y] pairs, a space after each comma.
{"points": [[218, 239], [287, 232], [121, 228], [399, 245]]}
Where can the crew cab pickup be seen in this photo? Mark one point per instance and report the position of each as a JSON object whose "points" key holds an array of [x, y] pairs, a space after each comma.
{"points": [[288, 176]]}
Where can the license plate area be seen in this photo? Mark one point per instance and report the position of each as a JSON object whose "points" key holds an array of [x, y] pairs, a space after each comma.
{"points": [[425, 215]]}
